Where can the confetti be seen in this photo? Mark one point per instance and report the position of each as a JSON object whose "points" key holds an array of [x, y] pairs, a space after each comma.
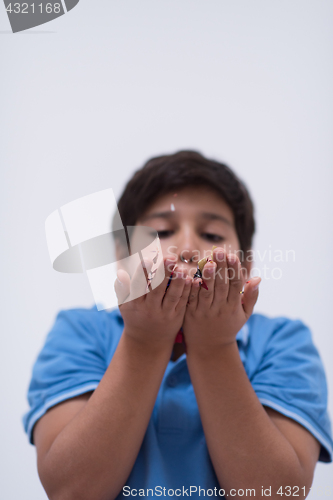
{"points": [[201, 265]]}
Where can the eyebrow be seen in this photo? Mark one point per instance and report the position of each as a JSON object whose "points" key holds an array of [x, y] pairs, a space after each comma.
{"points": [[171, 215]]}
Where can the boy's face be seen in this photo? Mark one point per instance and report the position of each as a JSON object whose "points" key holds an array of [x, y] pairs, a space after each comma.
{"points": [[190, 222]]}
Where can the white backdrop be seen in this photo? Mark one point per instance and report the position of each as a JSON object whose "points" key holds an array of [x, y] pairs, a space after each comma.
{"points": [[89, 97]]}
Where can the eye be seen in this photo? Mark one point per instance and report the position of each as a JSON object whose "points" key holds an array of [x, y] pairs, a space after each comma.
{"points": [[164, 234], [213, 237]]}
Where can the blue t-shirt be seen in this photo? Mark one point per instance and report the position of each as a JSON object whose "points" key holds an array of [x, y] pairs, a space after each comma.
{"points": [[279, 357]]}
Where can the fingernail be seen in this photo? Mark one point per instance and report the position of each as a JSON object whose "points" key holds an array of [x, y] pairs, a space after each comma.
{"points": [[257, 283], [248, 281], [220, 256], [232, 259]]}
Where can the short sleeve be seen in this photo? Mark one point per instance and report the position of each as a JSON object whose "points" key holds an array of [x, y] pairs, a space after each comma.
{"points": [[72, 362], [290, 379]]}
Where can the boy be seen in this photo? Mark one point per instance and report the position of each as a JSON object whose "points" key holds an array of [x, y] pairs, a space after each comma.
{"points": [[118, 409]]}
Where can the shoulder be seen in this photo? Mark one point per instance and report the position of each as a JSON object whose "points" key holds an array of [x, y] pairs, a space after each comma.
{"points": [[277, 333], [86, 325], [270, 325], [89, 317], [287, 374], [282, 344]]}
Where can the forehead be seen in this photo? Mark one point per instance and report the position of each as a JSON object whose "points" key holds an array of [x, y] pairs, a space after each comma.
{"points": [[191, 200]]}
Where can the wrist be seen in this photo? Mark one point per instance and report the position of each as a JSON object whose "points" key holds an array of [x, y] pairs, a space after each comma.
{"points": [[155, 345], [206, 351]]}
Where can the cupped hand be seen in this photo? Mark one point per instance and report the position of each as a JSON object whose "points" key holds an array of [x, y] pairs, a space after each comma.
{"points": [[153, 316], [214, 316]]}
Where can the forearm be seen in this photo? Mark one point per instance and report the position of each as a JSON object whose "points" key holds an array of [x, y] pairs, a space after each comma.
{"points": [[94, 454], [246, 448]]}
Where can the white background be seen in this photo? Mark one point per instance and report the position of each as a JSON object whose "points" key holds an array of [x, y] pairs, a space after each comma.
{"points": [[89, 97]]}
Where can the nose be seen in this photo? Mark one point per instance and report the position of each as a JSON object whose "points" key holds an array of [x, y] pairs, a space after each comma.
{"points": [[185, 256], [187, 246]]}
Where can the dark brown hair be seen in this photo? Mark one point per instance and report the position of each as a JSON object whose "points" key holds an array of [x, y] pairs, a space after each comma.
{"points": [[169, 173]]}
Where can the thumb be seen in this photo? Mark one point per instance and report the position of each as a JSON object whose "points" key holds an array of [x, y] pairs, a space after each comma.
{"points": [[122, 286], [250, 295]]}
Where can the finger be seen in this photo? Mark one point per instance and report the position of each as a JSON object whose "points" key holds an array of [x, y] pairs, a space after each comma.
{"points": [[221, 276], [250, 296], [175, 289], [235, 279], [156, 295], [186, 291], [139, 280], [122, 286], [194, 294], [206, 296]]}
